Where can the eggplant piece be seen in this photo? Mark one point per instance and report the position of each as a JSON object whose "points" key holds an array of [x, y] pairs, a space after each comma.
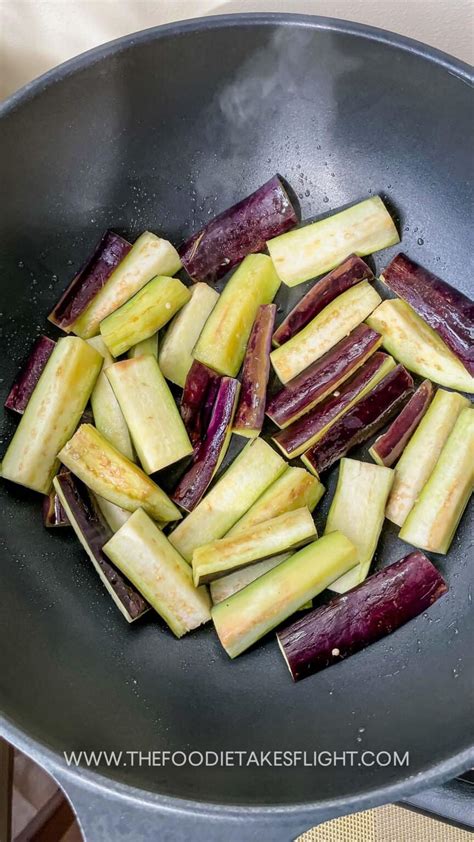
{"points": [[182, 334], [364, 419], [310, 428], [114, 515], [210, 452], [388, 447], [146, 557], [286, 532], [29, 374], [331, 325], [93, 532], [109, 474], [358, 511], [249, 475], [352, 621], [241, 230], [316, 248], [250, 414], [255, 610], [293, 489], [349, 273], [158, 433], [107, 415], [144, 314], [107, 255], [224, 337], [421, 454], [448, 311], [198, 399], [433, 520], [54, 515], [322, 377], [148, 257], [146, 346], [417, 346], [52, 414], [230, 584]]}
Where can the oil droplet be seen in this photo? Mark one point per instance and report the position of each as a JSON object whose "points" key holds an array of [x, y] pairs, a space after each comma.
{"points": [[307, 193], [325, 198], [20, 264], [420, 241]]}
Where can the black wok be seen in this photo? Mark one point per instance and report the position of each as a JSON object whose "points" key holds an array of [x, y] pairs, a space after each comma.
{"points": [[157, 130]]}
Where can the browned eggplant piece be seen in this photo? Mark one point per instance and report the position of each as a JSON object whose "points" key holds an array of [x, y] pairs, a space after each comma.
{"points": [[389, 446], [197, 401], [322, 377], [308, 429], [29, 374], [84, 287], [250, 413], [364, 419], [363, 615], [353, 270], [242, 229], [93, 532], [447, 310], [210, 452]]}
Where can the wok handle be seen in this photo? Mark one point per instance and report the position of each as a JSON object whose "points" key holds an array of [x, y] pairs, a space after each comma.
{"points": [[105, 816], [452, 802]]}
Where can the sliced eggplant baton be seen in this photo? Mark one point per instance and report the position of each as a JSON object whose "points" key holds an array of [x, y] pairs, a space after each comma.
{"points": [[107, 255], [28, 376], [349, 273], [93, 532], [322, 377], [354, 620], [250, 414], [447, 310], [272, 537], [109, 474], [389, 446], [312, 249], [208, 455], [328, 328], [241, 230]]}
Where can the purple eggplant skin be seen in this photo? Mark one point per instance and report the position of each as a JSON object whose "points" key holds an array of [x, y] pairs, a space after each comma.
{"points": [[108, 253], [449, 312], [197, 400], [241, 230], [321, 378], [250, 413], [390, 446], [362, 420], [53, 512], [293, 437], [208, 453], [349, 273], [96, 532], [29, 374], [363, 615]]}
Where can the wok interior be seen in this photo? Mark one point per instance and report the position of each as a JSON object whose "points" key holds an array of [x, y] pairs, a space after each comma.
{"points": [[160, 135]]}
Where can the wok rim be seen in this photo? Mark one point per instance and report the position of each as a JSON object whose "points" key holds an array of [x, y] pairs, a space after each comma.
{"points": [[101, 785]]}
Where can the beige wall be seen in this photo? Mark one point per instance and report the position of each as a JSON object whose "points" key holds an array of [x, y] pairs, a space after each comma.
{"points": [[37, 34]]}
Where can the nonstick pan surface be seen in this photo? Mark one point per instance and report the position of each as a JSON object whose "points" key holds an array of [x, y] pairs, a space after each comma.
{"points": [[161, 130]]}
